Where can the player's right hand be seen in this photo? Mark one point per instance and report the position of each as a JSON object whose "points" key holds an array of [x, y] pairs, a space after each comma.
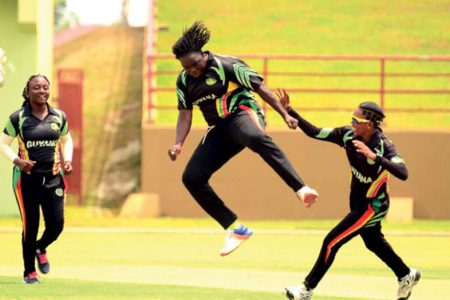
{"points": [[174, 151], [307, 195], [25, 165], [291, 122]]}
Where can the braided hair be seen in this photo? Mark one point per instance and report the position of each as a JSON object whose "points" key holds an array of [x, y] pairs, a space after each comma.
{"points": [[373, 112], [192, 40], [26, 88]]}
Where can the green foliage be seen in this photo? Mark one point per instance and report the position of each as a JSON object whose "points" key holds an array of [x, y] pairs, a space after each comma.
{"points": [[62, 17]]}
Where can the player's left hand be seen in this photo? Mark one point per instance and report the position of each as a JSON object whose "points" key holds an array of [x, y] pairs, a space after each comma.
{"points": [[364, 150], [290, 121], [68, 167], [283, 96]]}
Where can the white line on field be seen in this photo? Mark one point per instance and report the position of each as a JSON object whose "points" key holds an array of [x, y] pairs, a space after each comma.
{"points": [[218, 231]]}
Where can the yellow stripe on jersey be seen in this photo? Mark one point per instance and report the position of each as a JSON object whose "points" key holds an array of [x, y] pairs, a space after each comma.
{"points": [[22, 149], [376, 185]]}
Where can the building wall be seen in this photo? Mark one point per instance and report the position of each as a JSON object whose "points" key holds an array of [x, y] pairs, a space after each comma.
{"points": [[250, 187], [26, 28]]}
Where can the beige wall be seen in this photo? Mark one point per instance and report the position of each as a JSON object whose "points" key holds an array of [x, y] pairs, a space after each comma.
{"points": [[254, 191]]}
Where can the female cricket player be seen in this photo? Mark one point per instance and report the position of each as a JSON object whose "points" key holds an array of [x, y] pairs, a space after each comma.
{"points": [[372, 157]]}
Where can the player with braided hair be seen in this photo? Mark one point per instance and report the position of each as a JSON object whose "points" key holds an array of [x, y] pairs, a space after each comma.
{"points": [[372, 157], [42, 131], [221, 86]]}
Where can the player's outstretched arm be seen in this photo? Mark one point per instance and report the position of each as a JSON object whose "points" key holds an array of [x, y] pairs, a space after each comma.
{"points": [[308, 128], [266, 94], [183, 127]]}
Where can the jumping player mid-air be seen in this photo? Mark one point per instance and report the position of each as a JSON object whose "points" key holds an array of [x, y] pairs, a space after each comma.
{"points": [[221, 86], [372, 158]]}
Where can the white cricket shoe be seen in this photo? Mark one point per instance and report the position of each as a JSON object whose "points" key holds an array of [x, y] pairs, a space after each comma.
{"points": [[406, 284], [234, 238], [298, 292]]}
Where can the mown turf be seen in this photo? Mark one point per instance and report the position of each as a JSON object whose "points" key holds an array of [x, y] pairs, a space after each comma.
{"points": [[88, 216], [150, 265], [78, 289], [323, 27]]}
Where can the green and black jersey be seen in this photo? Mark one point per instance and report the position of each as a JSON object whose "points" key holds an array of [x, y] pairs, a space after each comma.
{"points": [[369, 178], [224, 87], [38, 139]]}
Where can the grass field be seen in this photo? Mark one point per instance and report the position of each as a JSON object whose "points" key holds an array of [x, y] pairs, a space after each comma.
{"points": [[162, 259], [323, 27]]}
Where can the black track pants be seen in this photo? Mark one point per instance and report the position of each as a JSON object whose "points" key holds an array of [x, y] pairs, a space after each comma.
{"points": [[366, 222], [34, 191], [220, 144]]}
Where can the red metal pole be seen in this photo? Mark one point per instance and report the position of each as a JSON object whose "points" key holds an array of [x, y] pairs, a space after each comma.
{"points": [[382, 88], [150, 89], [151, 50], [265, 75], [81, 84]]}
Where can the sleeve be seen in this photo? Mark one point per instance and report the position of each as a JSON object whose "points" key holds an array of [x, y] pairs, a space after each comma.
{"points": [[240, 73], [182, 92], [11, 129], [67, 147], [5, 147], [333, 135], [64, 125], [392, 161]]}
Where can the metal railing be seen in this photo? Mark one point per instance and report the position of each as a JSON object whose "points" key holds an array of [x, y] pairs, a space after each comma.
{"points": [[382, 74]]}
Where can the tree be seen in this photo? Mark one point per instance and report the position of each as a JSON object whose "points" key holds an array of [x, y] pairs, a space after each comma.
{"points": [[63, 17]]}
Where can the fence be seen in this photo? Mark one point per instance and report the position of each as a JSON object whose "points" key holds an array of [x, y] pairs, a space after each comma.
{"points": [[381, 74]]}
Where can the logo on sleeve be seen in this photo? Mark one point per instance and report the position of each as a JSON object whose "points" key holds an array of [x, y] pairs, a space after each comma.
{"points": [[54, 126], [210, 81]]}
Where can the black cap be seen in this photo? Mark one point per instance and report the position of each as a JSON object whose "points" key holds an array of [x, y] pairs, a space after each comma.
{"points": [[372, 112]]}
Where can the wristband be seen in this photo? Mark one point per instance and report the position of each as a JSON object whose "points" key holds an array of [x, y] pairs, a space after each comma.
{"points": [[378, 158]]}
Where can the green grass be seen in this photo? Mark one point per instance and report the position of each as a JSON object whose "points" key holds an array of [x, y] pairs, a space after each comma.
{"points": [[96, 290], [87, 216], [323, 27], [117, 264]]}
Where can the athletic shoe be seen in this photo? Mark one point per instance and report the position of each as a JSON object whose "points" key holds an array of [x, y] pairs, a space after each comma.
{"points": [[43, 264], [307, 195], [31, 278], [234, 238], [406, 284], [298, 292]]}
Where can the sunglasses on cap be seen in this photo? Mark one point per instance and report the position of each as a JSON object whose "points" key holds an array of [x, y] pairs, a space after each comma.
{"points": [[356, 120]]}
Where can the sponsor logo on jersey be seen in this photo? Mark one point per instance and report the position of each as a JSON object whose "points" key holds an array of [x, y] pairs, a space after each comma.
{"points": [[210, 81], [41, 143], [59, 192], [54, 126], [208, 97], [361, 177]]}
